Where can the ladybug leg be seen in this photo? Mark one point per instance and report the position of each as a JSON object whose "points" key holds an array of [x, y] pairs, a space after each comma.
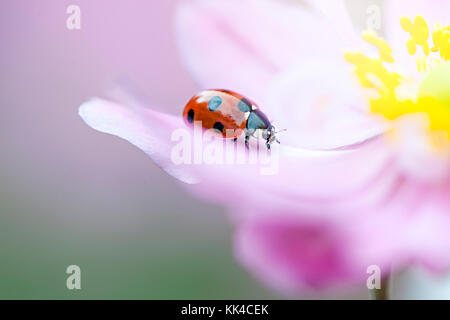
{"points": [[247, 138], [268, 145], [235, 139]]}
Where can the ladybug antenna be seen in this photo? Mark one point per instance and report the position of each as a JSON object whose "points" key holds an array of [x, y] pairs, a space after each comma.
{"points": [[275, 134]]}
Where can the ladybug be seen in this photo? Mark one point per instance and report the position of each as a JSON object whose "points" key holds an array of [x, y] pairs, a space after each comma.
{"points": [[230, 114]]}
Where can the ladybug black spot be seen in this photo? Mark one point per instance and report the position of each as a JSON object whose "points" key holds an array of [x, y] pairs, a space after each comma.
{"points": [[218, 126], [190, 116]]}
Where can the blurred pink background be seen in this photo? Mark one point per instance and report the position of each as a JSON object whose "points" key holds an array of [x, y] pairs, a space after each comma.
{"points": [[70, 195]]}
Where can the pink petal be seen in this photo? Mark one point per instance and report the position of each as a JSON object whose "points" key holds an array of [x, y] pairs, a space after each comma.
{"points": [[290, 248], [410, 227], [290, 253], [426, 225], [335, 12], [305, 203], [310, 179], [291, 174], [241, 44], [415, 154], [148, 130], [321, 106]]}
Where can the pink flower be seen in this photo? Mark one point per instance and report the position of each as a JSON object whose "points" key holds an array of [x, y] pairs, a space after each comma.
{"points": [[345, 195]]}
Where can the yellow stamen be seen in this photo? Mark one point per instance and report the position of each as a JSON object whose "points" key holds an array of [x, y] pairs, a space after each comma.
{"points": [[397, 94], [419, 34], [421, 64], [441, 40], [385, 50], [366, 67]]}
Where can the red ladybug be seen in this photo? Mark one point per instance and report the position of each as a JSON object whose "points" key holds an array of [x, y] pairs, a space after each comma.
{"points": [[230, 113]]}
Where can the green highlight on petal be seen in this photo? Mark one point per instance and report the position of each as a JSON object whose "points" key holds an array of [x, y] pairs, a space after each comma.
{"points": [[437, 84], [434, 97]]}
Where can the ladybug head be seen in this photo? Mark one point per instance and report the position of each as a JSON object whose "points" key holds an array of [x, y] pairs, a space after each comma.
{"points": [[270, 134]]}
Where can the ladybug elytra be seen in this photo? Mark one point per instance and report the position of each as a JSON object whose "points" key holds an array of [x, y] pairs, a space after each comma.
{"points": [[231, 114]]}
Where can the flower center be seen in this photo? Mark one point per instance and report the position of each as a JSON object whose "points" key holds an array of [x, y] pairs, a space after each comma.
{"points": [[395, 94]]}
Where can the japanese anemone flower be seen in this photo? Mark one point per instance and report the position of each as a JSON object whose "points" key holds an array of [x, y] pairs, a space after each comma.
{"points": [[362, 178]]}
